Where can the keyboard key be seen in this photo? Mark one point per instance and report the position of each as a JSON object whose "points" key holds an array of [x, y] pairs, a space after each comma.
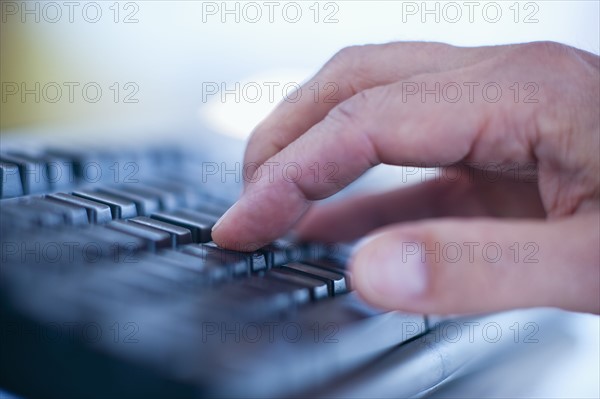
{"points": [[73, 215], [97, 212], [257, 261], [31, 173], [336, 281], [179, 235], [299, 294], [214, 273], [198, 223], [56, 171], [185, 195], [332, 265], [168, 201], [242, 301], [71, 250], [89, 166], [144, 205], [236, 264], [120, 208], [318, 288], [280, 253], [116, 240], [154, 238], [184, 277], [214, 209], [27, 215], [10, 180]]}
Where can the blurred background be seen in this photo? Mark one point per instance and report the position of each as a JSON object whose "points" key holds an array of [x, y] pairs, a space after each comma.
{"points": [[222, 66], [158, 63]]}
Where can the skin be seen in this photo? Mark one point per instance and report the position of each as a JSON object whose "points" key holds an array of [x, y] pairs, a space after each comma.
{"points": [[551, 214]]}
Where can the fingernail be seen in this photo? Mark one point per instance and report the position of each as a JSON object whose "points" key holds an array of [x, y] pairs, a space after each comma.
{"points": [[223, 217], [392, 272]]}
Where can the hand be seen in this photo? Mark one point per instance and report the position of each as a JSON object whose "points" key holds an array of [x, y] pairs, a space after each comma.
{"points": [[470, 244]]}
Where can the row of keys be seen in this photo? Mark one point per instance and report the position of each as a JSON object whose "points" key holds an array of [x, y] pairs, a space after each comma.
{"points": [[249, 284], [103, 204], [37, 172]]}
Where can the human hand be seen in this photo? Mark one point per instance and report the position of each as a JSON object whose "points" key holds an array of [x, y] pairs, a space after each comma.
{"points": [[547, 115]]}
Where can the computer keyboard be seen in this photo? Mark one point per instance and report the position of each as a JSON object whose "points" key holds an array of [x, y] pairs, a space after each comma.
{"points": [[111, 286]]}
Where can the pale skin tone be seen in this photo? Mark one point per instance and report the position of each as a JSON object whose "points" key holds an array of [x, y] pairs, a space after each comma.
{"points": [[373, 120]]}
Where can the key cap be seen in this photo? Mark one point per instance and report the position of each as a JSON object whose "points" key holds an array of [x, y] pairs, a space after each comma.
{"points": [[168, 201], [235, 264], [120, 209], [10, 180], [214, 273], [318, 289], [120, 246], [184, 277], [72, 214], [280, 253], [23, 215], [239, 301], [145, 205], [40, 209], [335, 266], [299, 294], [151, 273], [72, 250], [11, 218], [199, 224], [141, 281], [58, 172], [154, 238], [179, 235], [97, 212], [212, 208], [186, 196], [256, 261], [336, 281], [89, 166], [31, 173]]}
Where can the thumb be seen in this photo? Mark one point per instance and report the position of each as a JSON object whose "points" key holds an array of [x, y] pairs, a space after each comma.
{"points": [[479, 265]]}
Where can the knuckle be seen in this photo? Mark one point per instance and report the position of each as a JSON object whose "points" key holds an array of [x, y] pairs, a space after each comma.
{"points": [[556, 54], [347, 55], [363, 105], [350, 63]]}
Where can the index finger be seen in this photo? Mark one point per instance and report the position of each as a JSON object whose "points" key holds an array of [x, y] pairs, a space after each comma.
{"points": [[349, 72], [375, 126]]}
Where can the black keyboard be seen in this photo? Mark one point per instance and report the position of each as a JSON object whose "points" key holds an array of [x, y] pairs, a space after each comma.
{"points": [[111, 286]]}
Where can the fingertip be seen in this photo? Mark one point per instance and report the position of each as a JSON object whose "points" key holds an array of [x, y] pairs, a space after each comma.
{"points": [[233, 229]]}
